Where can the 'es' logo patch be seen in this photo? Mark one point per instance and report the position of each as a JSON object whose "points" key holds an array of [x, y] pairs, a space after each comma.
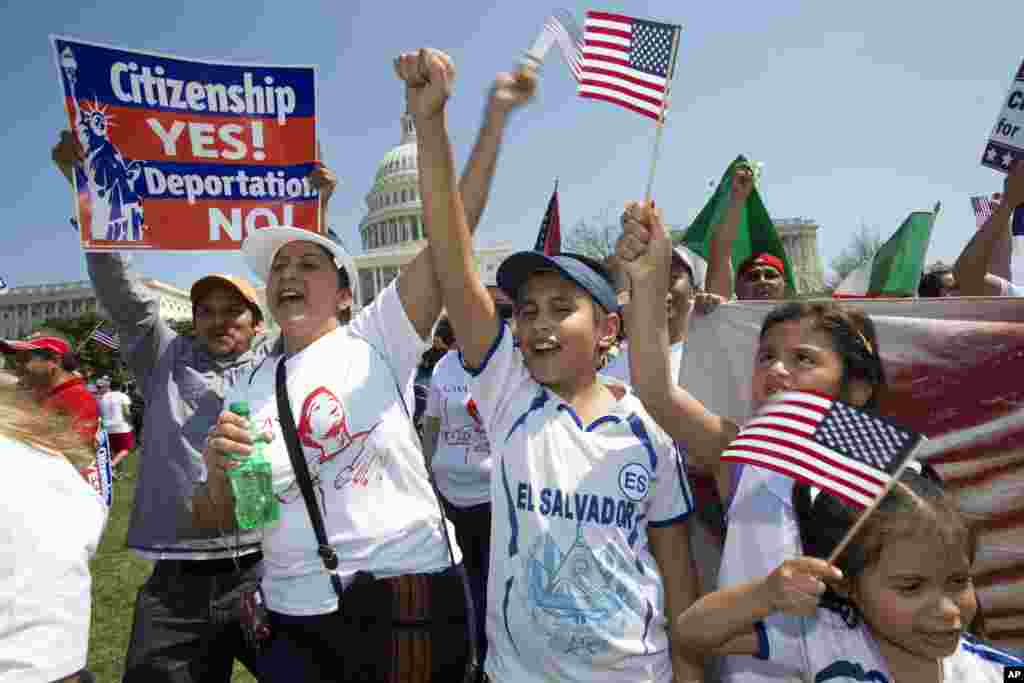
{"points": [[634, 481]]}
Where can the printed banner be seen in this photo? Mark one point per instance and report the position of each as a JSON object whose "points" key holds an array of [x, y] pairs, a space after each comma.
{"points": [[186, 155], [954, 369], [99, 474], [1007, 140]]}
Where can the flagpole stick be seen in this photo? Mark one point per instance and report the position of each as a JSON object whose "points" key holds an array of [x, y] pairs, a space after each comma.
{"points": [[661, 117], [867, 512], [85, 341]]}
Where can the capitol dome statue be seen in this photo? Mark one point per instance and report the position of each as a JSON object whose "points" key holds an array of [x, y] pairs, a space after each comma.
{"points": [[392, 231]]}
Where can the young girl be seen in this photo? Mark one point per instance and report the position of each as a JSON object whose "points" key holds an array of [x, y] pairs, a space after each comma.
{"points": [[896, 608], [803, 346]]}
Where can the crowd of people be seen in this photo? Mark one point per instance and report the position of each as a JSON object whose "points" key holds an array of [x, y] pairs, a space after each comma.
{"points": [[552, 504]]}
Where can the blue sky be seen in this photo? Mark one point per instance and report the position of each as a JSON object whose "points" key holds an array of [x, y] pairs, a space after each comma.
{"points": [[860, 112]]}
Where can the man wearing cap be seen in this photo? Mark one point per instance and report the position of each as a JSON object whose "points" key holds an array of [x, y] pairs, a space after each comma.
{"points": [[683, 288], [46, 364], [185, 626]]}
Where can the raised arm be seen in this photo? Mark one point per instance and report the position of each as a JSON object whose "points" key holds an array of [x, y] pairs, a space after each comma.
{"points": [[975, 261], [722, 623], [510, 91], [720, 278], [645, 253], [429, 76], [418, 285], [131, 306]]}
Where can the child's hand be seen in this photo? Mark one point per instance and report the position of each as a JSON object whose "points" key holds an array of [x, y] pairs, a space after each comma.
{"points": [[429, 77], [644, 248], [795, 586]]}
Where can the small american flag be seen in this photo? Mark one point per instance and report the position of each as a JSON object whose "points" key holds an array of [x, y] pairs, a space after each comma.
{"points": [[984, 206], [108, 339], [549, 237], [569, 38], [825, 443], [627, 61]]}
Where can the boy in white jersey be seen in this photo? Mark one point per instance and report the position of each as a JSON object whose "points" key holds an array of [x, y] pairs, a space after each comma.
{"points": [[589, 554]]}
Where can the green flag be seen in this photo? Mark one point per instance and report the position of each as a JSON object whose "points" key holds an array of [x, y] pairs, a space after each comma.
{"points": [[755, 235], [895, 271]]}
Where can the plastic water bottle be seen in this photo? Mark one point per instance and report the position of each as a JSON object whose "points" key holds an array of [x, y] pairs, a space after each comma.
{"points": [[255, 503]]}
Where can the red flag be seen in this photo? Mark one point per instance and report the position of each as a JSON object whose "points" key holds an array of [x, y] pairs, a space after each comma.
{"points": [[549, 239]]}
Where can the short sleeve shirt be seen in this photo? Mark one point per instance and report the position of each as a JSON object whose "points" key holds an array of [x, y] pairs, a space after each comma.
{"points": [[822, 648], [574, 592], [462, 460], [380, 511]]}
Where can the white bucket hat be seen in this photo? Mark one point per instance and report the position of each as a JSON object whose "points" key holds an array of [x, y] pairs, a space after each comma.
{"points": [[261, 246]]}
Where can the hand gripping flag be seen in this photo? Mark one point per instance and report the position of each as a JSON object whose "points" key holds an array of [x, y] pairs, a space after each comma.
{"points": [[825, 443], [628, 62], [106, 338]]}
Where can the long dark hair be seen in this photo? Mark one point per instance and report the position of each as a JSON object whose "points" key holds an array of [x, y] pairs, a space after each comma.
{"points": [[853, 338], [916, 504]]}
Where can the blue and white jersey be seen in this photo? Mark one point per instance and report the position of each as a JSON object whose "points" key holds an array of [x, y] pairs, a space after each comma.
{"points": [[574, 592], [822, 648]]}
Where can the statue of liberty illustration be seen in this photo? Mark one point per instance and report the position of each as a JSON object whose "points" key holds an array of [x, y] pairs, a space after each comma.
{"points": [[578, 597], [115, 207]]}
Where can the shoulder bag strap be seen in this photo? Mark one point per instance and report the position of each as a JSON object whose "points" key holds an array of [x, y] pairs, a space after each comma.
{"points": [[295, 454]]}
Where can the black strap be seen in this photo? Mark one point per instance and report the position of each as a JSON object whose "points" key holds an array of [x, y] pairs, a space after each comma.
{"points": [[295, 454]]}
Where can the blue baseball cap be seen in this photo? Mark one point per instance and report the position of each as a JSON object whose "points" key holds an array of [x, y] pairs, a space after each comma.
{"points": [[585, 272]]}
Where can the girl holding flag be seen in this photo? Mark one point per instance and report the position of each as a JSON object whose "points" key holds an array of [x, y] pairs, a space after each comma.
{"points": [[896, 605], [818, 347]]}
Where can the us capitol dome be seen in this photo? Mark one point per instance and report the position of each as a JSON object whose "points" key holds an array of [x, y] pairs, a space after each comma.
{"points": [[392, 231]]}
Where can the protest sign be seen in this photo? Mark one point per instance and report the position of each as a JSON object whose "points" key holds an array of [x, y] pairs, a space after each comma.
{"points": [[186, 155], [1007, 140]]}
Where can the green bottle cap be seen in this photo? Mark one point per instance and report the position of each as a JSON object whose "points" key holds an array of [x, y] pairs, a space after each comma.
{"points": [[240, 408]]}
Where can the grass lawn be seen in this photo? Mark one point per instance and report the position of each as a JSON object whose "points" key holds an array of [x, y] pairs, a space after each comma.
{"points": [[117, 573]]}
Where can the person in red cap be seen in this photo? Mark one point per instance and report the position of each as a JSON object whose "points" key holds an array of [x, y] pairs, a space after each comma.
{"points": [[761, 277], [47, 365]]}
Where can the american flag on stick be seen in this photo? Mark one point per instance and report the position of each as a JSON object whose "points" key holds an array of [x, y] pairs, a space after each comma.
{"points": [[628, 61], [569, 38], [106, 338], [825, 443], [984, 206]]}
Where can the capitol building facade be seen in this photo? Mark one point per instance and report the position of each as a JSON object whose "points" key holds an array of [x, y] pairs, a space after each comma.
{"points": [[22, 309], [392, 231]]}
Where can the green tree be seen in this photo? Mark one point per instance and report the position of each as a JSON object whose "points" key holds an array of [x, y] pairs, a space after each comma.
{"points": [[862, 248], [183, 327], [96, 360], [594, 237]]}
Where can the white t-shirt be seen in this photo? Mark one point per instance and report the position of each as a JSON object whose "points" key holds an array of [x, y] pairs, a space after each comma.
{"points": [[462, 461], [574, 593], [822, 648], [761, 535], [52, 523], [618, 367], [113, 405], [380, 512]]}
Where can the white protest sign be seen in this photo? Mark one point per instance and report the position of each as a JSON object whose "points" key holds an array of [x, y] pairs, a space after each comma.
{"points": [[1006, 143]]}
